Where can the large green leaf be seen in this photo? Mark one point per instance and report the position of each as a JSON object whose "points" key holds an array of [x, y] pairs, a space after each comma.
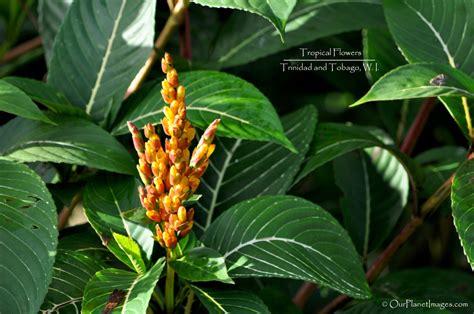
{"points": [[332, 140], [46, 95], [98, 51], [15, 101], [375, 187], [440, 290], [435, 31], [72, 271], [131, 291], [202, 264], [132, 251], [51, 14], [415, 81], [276, 11], [28, 239], [462, 198], [240, 170], [245, 38], [244, 111], [106, 199], [229, 301], [287, 237], [72, 141]]}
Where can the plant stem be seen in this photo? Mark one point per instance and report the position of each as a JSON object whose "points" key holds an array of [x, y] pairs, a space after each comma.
{"points": [[158, 297], [21, 49], [169, 286], [417, 126], [185, 38], [303, 294], [174, 20], [67, 211], [189, 303], [468, 118]]}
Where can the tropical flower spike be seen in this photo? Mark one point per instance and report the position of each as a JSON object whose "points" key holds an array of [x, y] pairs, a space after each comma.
{"points": [[170, 173]]}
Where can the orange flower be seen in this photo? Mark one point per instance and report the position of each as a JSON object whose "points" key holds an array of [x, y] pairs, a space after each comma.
{"points": [[171, 174]]}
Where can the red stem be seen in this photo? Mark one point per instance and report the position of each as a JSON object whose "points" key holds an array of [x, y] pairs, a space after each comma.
{"points": [[185, 38], [304, 293], [417, 126], [21, 49]]}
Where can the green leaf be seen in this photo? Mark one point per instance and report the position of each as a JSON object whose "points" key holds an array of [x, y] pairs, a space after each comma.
{"points": [[245, 37], [241, 170], [72, 141], [28, 236], [106, 199], [202, 264], [46, 95], [51, 14], [229, 301], [72, 271], [132, 250], [94, 62], [332, 140], [462, 201], [276, 11], [442, 25], [15, 101], [244, 111], [132, 291], [288, 237], [376, 188], [379, 46], [416, 81], [433, 286]]}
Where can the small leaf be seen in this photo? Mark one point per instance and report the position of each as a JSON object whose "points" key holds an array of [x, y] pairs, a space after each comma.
{"points": [[15, 101], [132, 250], [202, 264], [72, 141], [28, 239], [276, 11], [192, 200], [46, 95], [229, 301], [416, 81], [288, 237], [244, 111], [106, 198], [72, 271], [119, 290], [94, 62], [462, 198]]}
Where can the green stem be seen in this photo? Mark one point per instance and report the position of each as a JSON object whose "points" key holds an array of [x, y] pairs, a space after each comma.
{"points": [[158, 297], [169, 287], [189, 303]]}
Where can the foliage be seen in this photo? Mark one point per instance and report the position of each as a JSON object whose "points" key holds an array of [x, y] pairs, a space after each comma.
{"points": [[293, 184]]}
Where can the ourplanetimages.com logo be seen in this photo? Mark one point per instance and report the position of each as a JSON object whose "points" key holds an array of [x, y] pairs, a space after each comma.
{"points": [[330, 59], [428, 304]]}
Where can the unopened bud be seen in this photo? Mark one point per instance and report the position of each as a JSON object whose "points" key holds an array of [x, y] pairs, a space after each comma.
{"points": [[182, 214], [180, 93]]}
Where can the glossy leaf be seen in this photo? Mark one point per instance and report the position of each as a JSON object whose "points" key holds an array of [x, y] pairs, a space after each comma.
{"points": [[15, 101], [418, 81], [229, 301], [375, 187], [106, 199], [28, 238], [202, 264], [287, 237], [276, 11], [332, 140], [240, 170], [72, 141], [94, 62], [51, 14], [72, 271], [47, 95], [443, 27], [244, 111], [245, 37], [462, 198], [132, 250], [131, 291]]}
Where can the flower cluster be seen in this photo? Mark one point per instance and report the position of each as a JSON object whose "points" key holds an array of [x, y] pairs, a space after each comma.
{"points": [[170, 173]]}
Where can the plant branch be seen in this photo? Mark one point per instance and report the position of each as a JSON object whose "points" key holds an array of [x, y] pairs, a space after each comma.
{"points": [[189, 303], [303, 294], [21, 49], [468, 118], [174, 20], [185, 38], [67, 211], [417, 126], [169, 285]]}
